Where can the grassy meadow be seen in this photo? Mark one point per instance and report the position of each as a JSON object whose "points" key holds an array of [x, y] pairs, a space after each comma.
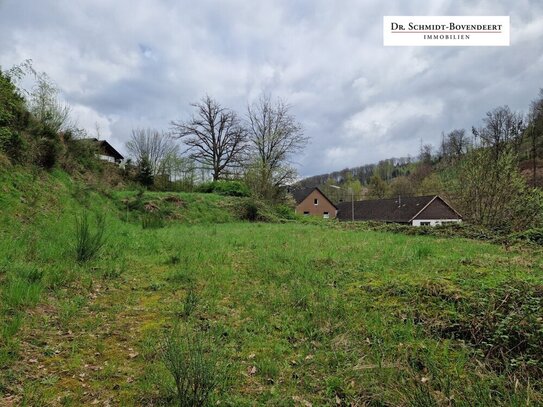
{"points": [[290, 314]]}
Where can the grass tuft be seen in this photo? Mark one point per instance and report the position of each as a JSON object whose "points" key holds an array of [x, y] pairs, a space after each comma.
{"points": [[192, 366], [88, 243]]}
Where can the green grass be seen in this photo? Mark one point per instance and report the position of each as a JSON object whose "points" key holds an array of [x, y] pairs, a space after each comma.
{"points": [[295, 313]]}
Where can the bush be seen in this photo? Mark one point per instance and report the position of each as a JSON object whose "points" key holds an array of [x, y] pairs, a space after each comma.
{"points": [[89, 244], [192, 367], [285, 212], [12, 144], [80, 153], [530, 235], [47, 152], [250, 211], [227, 188]]}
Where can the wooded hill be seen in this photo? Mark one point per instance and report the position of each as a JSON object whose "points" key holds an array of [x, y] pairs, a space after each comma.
{"points": [[498, 161]]}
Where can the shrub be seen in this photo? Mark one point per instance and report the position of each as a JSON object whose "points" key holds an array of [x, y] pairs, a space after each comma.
{"points": [[530, 235], [80, 153], [89, 244], [285, 212], [228, 188], [192, 367], [47, 153], [12, 144], [250, 211]]}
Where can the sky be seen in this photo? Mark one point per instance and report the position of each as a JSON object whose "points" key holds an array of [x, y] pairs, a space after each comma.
{"points": [[128, 64]]}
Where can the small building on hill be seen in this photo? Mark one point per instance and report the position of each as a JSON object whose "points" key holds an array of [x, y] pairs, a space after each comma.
{"points": [[106, 152], [312, 201], [427, 210]]}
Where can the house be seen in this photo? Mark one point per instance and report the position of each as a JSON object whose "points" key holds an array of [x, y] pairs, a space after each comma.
{"points": [[427, 210], [106, 152], [312, 201]]}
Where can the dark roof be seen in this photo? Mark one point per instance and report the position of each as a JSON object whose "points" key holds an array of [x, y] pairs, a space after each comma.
{"points": [[302, 193], [402, 209], [105, 147]]}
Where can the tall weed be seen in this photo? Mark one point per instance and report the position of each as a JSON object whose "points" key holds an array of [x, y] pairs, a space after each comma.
{"points": [[88, 243], [192, 366]]}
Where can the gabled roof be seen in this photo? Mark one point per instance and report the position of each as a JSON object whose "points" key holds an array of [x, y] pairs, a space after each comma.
{"points": [[105, 147], [403, 209], [302, 193]]}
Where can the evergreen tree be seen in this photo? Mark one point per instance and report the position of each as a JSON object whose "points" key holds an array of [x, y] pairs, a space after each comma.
{"points": [[145, 173]]}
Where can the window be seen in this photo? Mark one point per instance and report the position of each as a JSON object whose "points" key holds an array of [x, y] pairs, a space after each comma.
{"points": [[315, 201], [306, 212], [326, 215], [425, 223]]}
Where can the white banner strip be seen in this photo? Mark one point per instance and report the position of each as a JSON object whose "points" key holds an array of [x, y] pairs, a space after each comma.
{"points": [[443, 31]]}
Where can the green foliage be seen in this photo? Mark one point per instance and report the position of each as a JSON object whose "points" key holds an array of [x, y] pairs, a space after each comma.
{"points": [[88, 243], [81, 154], [222, 187], [13, 113], [491, 192], [12, 144], [48, 150], [192, 365], [401, 186], [530, 235], [20, 293], [377, 188], [190, 303], [250, 211], [145, 173], [152, 220], [284, 211], [13, 119], [505, 325], [49, 115]]}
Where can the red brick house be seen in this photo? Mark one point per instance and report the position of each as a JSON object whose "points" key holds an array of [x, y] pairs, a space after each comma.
{"points": [[312, 201]]}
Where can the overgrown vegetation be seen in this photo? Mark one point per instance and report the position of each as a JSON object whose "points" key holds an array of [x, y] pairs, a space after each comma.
{"points": [[294, 312], [36, 128], [452, 230], [88, 243], [266, 308], [228, 188]]}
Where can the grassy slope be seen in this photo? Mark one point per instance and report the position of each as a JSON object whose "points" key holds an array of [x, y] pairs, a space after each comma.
{"points": [[324, 316]]}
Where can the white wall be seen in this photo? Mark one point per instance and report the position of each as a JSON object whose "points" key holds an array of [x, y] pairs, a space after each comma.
{"points": [[434, 222], [106, 158]]}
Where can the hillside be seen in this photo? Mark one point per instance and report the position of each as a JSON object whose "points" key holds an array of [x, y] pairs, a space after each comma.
{"points": [[291, 314]]}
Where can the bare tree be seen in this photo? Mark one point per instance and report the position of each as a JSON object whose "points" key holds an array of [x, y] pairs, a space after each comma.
{"points": [[502, 128], [455, 144], [214, 137], [274, 137], [151, 146]]}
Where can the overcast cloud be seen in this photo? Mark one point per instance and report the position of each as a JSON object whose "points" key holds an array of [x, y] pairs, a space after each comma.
{"points": [[130, 63]]}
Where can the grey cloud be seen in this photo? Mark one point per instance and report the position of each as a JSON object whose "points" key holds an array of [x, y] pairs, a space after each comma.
{"points": [[133, 63]]}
